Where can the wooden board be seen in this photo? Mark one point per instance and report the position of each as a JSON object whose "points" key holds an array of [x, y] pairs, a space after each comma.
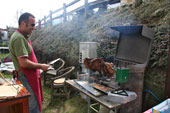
{"points": [[9, 91]]}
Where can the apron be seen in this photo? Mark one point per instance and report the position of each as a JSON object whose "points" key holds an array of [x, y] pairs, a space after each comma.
{"points": [[33, 77]]}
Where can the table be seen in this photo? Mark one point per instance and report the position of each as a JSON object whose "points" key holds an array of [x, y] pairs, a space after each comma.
{"points": [[102, 100], [18, 104], [148, 111]]}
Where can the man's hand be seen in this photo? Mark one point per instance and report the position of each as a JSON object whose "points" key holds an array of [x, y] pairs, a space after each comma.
{"points": [[26, 63], [44, 67]]}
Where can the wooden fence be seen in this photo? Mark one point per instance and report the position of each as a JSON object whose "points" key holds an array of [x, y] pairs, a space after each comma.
{"points": [[48, 20]]}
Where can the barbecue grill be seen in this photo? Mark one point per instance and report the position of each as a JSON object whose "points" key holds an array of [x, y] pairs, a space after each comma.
{"points": [[133, 48]]}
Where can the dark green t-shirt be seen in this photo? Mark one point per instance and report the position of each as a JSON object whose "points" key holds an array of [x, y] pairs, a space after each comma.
{"points": [[19, 47]]}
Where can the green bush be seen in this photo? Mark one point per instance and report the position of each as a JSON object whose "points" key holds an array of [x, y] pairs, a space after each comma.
{"points": [[3, 44]]}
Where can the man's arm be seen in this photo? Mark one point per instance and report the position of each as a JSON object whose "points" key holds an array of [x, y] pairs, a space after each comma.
{"points": [[26, 63]]}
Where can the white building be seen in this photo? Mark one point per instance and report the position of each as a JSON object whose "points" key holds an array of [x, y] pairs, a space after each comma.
{"points": [[3, 35]]}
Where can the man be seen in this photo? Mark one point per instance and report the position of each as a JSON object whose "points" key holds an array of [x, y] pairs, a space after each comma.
{"points": [[25, 61]]}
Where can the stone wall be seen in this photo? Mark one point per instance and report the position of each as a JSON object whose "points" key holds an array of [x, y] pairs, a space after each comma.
{"points": [[136, 2]]}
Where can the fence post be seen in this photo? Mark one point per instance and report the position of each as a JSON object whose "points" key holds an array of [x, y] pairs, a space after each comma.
{"points": [[45, 21], [86, 8], [64, 12], [51, 18], [39, 24]]}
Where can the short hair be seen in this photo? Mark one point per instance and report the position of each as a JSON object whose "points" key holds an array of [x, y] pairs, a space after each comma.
{"points": [[25, 17]]}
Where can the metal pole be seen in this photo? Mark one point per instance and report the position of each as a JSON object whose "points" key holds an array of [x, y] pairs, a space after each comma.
{"points": [[115, 110], [88, 104]]}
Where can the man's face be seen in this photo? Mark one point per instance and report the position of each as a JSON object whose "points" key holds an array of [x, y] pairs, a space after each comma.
{"points": [[30, 25]]}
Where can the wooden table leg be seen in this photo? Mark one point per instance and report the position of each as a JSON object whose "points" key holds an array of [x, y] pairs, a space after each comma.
{"points": [[25, 105]]}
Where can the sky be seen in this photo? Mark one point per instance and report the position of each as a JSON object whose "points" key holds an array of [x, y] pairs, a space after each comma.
{"points": [[39, 8]]}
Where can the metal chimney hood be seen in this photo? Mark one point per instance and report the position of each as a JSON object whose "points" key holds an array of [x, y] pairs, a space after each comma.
{"points": [[134, 44]]}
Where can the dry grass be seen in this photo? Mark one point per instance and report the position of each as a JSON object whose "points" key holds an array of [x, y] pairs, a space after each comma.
{"points": [[75, 104]]}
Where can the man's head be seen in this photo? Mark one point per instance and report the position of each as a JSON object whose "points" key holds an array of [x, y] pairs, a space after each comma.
{"points": [[26, 23]]}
